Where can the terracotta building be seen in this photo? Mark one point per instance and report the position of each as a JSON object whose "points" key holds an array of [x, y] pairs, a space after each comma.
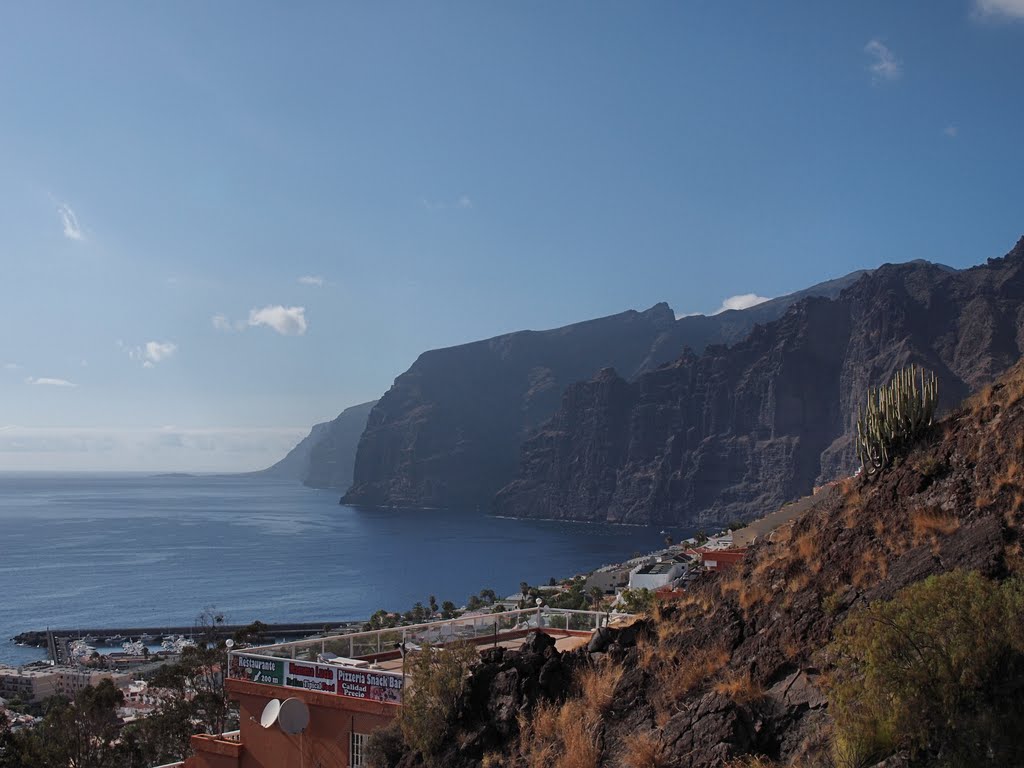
{"points": [[313, 703]]}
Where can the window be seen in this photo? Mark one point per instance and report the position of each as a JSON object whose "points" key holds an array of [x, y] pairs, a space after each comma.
{"points": [[357, 750]]}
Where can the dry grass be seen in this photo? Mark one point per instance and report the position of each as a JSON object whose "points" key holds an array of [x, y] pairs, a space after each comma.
{"points": [[807, 546], [873, 566], [560, 737], [643, 750], [647, 654], [798, 583], [597, 687], [929, 523], [675, 678], [751, 761], [791, 649], [740, 688]]}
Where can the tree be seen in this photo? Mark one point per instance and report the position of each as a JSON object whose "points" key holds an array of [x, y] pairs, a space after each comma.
{"points": [[251, 634], [433, 605], [473, 602], [78, 734], [489, 596], [637, 600], [937, 671], [448, 610]]}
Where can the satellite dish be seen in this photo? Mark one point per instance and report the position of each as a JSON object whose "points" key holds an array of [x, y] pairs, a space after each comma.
{"points": [[294, 716], [229, 643], [270, 713]]}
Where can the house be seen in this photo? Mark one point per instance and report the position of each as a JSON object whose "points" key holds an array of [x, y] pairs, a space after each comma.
{"points": [[657, 573], [719, 559], [608, 579]]}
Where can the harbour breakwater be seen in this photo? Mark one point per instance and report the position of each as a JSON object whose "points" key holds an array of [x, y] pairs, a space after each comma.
{"points": [[38, 638]]}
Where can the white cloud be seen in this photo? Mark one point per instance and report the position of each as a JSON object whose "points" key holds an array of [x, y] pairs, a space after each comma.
{"points": [[221, 323], [67, 217], [884, 65], [288, 321], [741, 301], [463, 202], [951, 131], [311, 280], [1013, 9], [153, 352], [12, 367], [47, 382]]}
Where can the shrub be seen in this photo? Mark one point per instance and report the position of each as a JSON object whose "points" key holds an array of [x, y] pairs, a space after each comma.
{"points": [[385, 747], [643, 750], [938, 671], [438, 679]]}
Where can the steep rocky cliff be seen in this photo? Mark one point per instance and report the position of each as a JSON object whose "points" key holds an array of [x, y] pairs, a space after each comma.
{"points": [[735, 669], [737, 431], [448, 431], [326, 456]]}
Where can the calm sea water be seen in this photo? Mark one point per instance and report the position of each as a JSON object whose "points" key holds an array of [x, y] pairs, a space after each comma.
{"points": [[112, 550]]}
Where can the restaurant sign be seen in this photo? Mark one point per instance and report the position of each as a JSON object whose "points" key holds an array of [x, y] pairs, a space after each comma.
{"points": [[366, 684]]}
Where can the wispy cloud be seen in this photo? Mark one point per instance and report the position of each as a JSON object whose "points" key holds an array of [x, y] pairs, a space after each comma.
{"points": [[884, 64], [72, 231], [287, 321], [152, 352], [464, 202], [221, 323], [951, 131], [311, 280], [48, 382], [1007, 9], [741, 301], [12, 367]]}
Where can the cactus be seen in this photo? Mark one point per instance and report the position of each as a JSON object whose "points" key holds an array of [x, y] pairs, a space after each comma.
{"points": [[896, 414]]}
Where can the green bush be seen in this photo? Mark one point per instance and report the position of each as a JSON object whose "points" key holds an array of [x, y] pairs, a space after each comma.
{"points": [[438, 678], [937, 671]]}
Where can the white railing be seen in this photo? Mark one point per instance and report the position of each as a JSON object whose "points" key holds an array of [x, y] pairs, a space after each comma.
{"points": [[338, 664], [355, 645]]}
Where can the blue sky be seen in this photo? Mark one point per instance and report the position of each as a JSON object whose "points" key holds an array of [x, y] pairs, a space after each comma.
{"points": [[442, 172]]}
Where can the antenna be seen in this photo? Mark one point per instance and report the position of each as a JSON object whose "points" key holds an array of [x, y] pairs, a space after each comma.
{"points": [[294, 716], [271, 712]]}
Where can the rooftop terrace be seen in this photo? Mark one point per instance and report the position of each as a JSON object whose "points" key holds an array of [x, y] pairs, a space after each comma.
{"points": [[371, 665]]}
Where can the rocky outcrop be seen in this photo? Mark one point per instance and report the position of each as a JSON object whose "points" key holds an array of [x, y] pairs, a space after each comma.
{"points": [[326, 456], [449, 430], [737, 431]]}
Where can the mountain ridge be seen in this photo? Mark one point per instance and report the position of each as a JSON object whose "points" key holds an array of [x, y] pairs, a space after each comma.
{"points": [[449, 430], [738, 430]]}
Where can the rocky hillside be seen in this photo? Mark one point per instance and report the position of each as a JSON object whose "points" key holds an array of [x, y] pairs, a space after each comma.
{"points": [[739, 668], [326, 456], [735, 432], [449, 430]]}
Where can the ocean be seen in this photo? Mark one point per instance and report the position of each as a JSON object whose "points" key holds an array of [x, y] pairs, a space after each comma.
{"points": [[105, 550]]}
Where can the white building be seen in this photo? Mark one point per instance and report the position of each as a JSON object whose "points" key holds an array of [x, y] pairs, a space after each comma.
{"points": [[657, 573]]}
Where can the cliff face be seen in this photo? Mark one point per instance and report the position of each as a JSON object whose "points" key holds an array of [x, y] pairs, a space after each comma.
{"points": [[448, 432], [737, 431], [735, 667], [325, 457]]}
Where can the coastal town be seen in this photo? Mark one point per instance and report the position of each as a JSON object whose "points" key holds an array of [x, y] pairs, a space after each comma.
{"points": [[130, 663]]}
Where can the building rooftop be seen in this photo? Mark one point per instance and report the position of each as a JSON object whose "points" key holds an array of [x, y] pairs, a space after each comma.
{"points": [[663, 566], [369, 665]]}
